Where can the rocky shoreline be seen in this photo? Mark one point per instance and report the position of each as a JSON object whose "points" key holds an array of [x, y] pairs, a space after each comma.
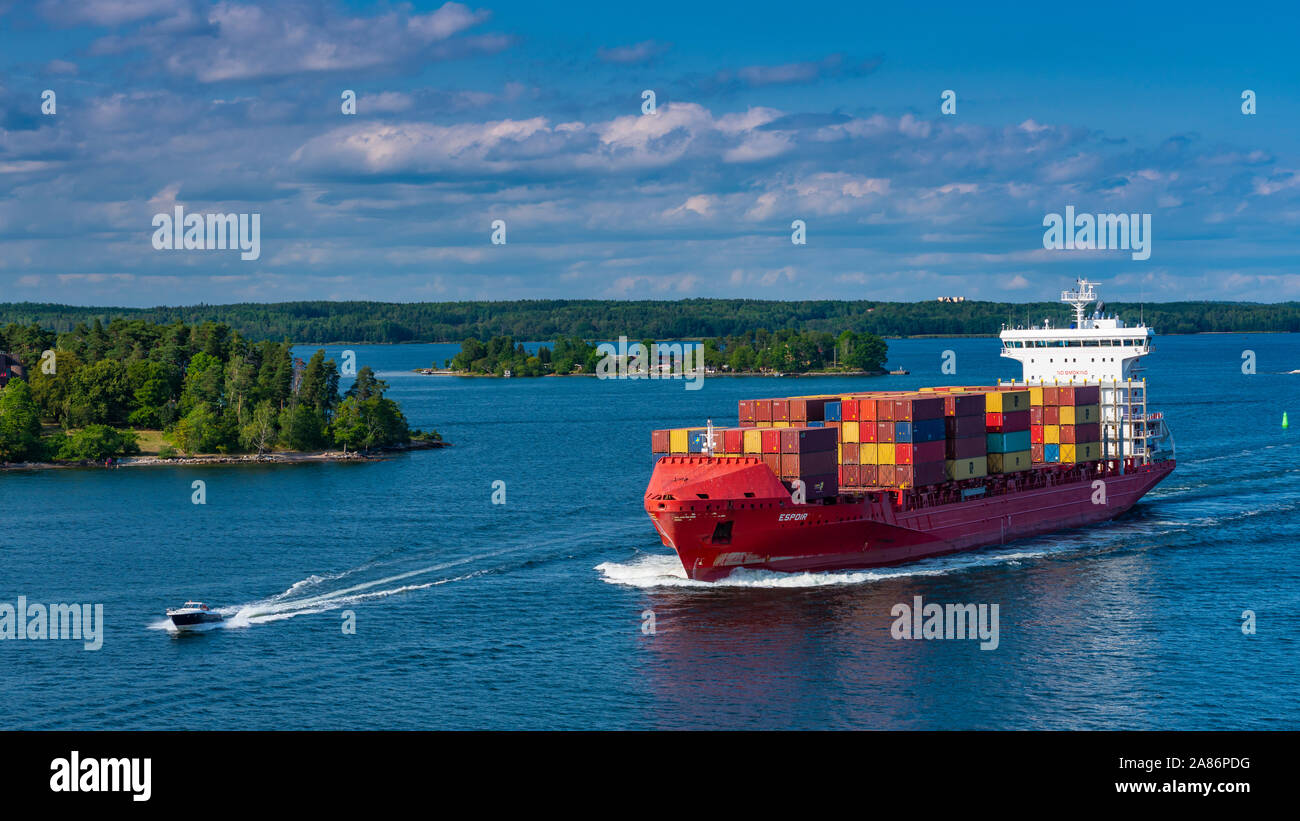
{"points": [[375, 455]]}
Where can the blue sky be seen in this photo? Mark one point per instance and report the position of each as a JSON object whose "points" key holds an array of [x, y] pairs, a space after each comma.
{"points": [[531, 113]]}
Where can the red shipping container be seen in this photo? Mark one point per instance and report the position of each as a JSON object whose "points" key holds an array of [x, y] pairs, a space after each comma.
{"points": [[1036, 453], [745, 411], [884, 411], [807, 410], [798, 411], [1067, 435], [867, 431], [867, 475], [658, 441], [850, 453], [733, 440], [884, 431], [867, 409], [902, 410], [780, 410], [903, 453], [1036, 434], [848, 409], [789, 439], [773, 460], [902, 476], [851, 476], [1051, 414], [771, 440], [1087, 394], [762, 410], [885, 475], [925, 452], [1050, 398], [1065, 396], [1036, 416]]}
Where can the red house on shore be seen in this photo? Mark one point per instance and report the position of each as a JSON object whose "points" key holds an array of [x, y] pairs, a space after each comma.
{"points": [[10, 367]]}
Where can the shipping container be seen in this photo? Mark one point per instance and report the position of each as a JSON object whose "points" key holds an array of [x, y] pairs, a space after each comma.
{"points": [[884, 410], [885, 475], [867, 475], [850, 476], [762, 410], [849, 453], [1087, 395], [1009, 462], [966, 448], [733, 440], [773, 461], [832, 410], [867, 453], [1051, 453], [799, 465], [1007, 422], [746, 412], [849, 408], [1084, 452], [780, 410], [771, 440], [867, 409], [1051, 434], [1036, 434], [884, 432], [1005, 401], [867, 431], [849, 431], [696, 440], [964, 404], [1036, 453], [679, 440], [753, 441], [1084, 414], [1036, 398], [1050, 398], [1012, 442], [961, 427], [958, 469], [1036, 415], [1051, 415], [659, 441], [885, 454]]}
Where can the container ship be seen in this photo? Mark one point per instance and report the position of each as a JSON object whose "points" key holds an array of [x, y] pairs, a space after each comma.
{"points": [[876, 478]]}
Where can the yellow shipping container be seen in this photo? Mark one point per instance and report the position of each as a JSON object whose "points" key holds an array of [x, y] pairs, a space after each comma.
{"points": [[1067, 415], [1036, 397], [1008, 462], [967, 468], [849, 431], [780, 424], [1083, 414], [867, 454], [1086, 452], [1006, 401], [753, 441], [1052, 434], [678, 441], [884, 453]]}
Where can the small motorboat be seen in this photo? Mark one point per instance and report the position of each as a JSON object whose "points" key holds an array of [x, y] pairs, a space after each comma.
{"points": [[192, 614]]}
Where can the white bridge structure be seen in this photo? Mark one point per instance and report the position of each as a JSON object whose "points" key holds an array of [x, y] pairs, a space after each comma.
{"points": [[1096, 350]]}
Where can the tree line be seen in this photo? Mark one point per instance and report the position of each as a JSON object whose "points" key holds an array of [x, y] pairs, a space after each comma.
{"points": [[762, 351], [387, 322], [207, 387]]}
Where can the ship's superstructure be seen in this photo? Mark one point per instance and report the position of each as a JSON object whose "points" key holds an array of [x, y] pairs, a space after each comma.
{"points": [[1096, 350]]}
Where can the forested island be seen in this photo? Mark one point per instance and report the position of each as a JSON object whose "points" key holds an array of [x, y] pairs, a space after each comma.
{"points": [[132, 386], [388, 322], [784, 351]]}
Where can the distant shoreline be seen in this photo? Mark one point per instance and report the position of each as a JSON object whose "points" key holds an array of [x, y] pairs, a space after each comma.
{"points": [[270, 458]]}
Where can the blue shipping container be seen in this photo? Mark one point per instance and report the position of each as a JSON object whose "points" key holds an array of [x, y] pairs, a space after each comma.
{"points": [[1051, 453], [903, 432], [928, 430], [832, 413], [696, 436]]}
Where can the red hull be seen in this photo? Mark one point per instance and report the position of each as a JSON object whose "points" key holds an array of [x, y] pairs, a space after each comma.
{"points": [[721, 514]]}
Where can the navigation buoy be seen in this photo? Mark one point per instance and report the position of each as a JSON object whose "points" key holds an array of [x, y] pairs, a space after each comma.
{"points": [[1284, 422]]}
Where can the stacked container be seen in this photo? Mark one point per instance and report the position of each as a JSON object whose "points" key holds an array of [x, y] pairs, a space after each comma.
{"points": [[965, 443], [1065, 423]]}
